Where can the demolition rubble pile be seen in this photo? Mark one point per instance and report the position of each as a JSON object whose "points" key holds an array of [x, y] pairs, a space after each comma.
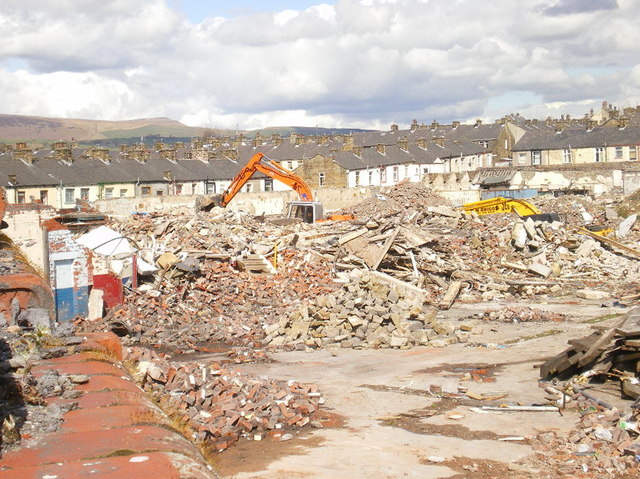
{"points": [[494, 256], [575, 210], [604, 443], [367, 313], [217, 305], [223, 275], [395, 201], [220, 405], [520, 314]]}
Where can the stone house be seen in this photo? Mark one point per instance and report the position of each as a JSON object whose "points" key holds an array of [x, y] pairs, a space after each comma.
{"points": [[591, 144]]}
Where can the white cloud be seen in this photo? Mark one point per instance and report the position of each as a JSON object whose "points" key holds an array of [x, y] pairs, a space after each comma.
{"points": [[353, 63]]}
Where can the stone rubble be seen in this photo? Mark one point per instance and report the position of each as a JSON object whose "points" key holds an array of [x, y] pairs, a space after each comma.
{"points": [[516, 314], [366, 313]]}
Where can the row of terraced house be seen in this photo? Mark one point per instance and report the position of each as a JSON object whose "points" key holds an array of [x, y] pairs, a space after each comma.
{"points": [[64, 173]]}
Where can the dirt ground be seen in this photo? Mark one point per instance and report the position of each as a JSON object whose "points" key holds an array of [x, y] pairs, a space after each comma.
{"points": [[399, 413]]}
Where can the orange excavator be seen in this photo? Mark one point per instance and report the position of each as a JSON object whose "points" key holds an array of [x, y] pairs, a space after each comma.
{"points": [[306, 209]]}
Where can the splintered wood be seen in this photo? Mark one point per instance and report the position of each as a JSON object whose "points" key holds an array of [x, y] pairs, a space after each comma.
{"points": [[613, 351]]}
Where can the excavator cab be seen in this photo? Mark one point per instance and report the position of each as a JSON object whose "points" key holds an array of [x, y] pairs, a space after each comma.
{"points": [[307, 211]]}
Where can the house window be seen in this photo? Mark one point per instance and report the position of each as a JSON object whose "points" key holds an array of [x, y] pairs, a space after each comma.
{"points": [[123, 193], [370, 178], [618, 152], [383, 175], [633, 152], [357, 178], [159, 192], [406, 171], [145, 191], [210, 188], [566, 156], [44, 197], [248, 188], [108, 193], [69, 195], [268, 184], [290, 165], [178, 188], [21, 197], [599, 154], [395, 174], [84, 194], [321, 179], [536, 156], [522, 157]]}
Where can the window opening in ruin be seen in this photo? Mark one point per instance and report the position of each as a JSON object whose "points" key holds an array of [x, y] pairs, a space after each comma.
{"points": [[599, 154], [536, 157]]}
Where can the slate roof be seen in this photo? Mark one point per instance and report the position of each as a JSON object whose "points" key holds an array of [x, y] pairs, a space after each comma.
{"points": [[578, 138], [473, 133], [86, 171]]}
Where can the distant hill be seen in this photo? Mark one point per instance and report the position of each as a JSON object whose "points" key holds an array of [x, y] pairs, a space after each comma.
{"points": [[18, 127], [29, 128], [303, 130]]}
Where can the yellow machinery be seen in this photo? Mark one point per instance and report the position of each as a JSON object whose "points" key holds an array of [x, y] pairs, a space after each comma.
{"points": [[501, 205]]}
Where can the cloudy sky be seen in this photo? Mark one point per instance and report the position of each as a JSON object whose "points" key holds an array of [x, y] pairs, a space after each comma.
{"points": [[342, 63]]}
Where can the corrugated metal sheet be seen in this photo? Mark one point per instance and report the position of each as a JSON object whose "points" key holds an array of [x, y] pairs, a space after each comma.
{"points": [[516, 194], [459, 198]]}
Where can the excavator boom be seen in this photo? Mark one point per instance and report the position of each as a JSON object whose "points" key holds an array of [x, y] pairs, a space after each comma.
{"points": [[501, 205], [272, 169]]}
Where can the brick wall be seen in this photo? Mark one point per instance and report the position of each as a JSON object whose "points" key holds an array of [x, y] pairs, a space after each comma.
{"points": [[24, 228]]}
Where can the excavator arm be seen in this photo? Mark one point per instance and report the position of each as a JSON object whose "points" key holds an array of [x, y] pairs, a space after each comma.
{"points": [[501, 205], [272, 169]]}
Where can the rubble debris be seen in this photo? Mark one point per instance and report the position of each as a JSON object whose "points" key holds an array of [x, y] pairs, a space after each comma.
{"points": [[220, 405], [242, 274], [220, 306], [604, 443], [606, 353], [367, 313], [520, 314]]}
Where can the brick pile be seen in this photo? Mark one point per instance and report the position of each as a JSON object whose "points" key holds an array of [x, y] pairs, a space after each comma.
{"points": [[396, 200], [220, 305], [604, 443], [366, 313], [220, 405]]}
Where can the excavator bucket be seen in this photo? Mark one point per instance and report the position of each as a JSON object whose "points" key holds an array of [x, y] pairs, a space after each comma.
{"points": [[207, 203]]}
